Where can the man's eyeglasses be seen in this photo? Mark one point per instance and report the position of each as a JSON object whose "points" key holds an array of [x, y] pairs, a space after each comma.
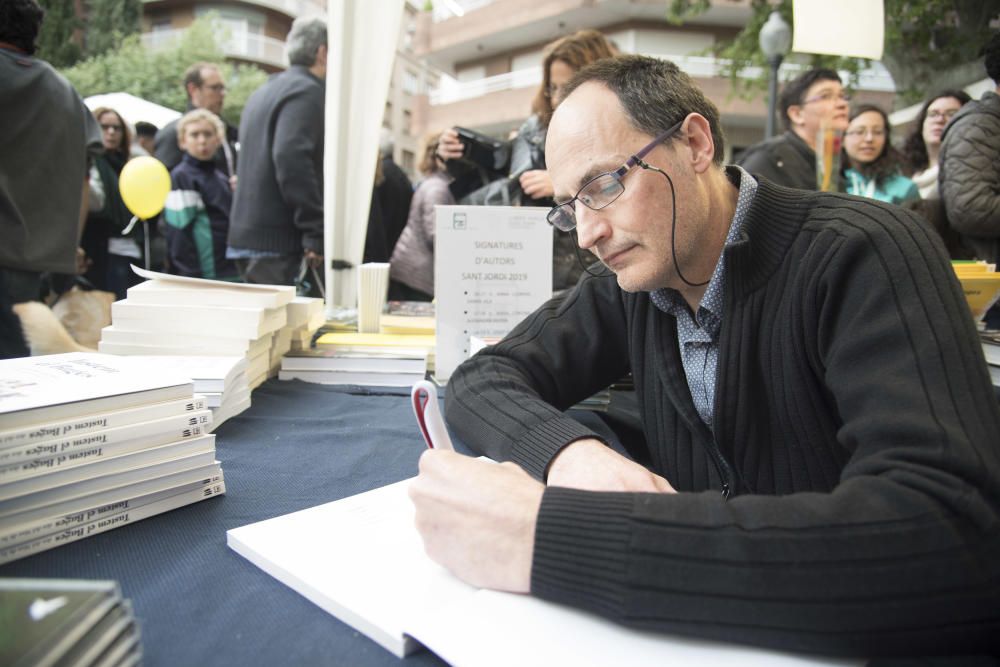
{"points": [[603, 189], [946, 114], [877, 132], [216, 87], [827, 96], [111, 128]]}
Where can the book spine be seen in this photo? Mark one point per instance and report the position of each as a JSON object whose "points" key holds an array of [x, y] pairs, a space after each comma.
{"points": [[158, 430], [88, 449], [110, 521], [82, 425], [85, 512], [32, 496]]}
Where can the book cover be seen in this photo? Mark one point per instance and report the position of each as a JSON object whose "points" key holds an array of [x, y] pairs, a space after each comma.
{"points": [[26, 526], [102, 466], [332, 359], [353, 377], [110, 521], [34, 390], [146, 337], [42, 619], [117, 624], [362, 560], [209, 373], [42, 458], [241, 322], [377, 342], [286, 292], [225, 294], [197, 464], [59, 428]]}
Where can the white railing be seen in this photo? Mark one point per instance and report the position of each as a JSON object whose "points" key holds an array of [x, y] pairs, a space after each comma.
{"points": [[450, 90], [249, 46]]}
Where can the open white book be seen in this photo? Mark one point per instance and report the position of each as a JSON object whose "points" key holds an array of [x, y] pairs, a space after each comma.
{"points": [[362, 560]]}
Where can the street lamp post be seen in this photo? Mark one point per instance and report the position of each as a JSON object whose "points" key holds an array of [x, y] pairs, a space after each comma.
{"points": [[775, 38]]}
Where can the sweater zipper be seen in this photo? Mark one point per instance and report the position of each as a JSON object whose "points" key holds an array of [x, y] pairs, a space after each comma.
{"points": [[721, 467]]}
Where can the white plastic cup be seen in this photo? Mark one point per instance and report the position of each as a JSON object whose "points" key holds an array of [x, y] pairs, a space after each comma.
{"points": [[373, 287]]}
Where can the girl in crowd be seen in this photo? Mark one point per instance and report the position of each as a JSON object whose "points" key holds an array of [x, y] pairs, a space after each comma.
{"points": [[110, 253], [562, 59], [922, 146], [871, 165], [411, 272]]}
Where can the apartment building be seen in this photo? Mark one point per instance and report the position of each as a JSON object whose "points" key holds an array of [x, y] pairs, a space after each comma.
{"points": [[490, 53], [256, 28]]}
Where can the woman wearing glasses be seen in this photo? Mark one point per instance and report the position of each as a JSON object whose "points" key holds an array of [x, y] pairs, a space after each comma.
{"points": [[109, 252], [922, 146], [526, 171], [871, 165]]}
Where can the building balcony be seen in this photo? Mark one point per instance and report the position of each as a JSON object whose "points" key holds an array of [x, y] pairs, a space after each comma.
{"points": [[290, 8], [247, 46]]}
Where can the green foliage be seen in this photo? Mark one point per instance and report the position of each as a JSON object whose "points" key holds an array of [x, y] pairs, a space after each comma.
{"points": [[743, 51], [156, 74], [108, 22], [928, 44], [55, 39]]}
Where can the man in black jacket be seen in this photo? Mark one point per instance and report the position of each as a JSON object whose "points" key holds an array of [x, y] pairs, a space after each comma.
{"points": [[813, 100], [819, 471], [277, 217]]}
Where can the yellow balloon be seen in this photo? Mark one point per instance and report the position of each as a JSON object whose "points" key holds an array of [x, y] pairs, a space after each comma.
{"points": [[144, 184]]}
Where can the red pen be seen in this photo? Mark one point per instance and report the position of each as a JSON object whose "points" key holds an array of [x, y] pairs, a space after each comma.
{"points": [[425, 408]]}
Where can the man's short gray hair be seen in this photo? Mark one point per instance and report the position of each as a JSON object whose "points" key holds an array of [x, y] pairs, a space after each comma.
{"points": [[304, 39]]}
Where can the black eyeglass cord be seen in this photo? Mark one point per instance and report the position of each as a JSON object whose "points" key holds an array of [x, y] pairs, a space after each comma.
{"points": [[673, 234]]}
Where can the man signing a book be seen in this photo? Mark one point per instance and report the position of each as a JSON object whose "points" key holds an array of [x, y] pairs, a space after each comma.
{"points": [[821, 462]]}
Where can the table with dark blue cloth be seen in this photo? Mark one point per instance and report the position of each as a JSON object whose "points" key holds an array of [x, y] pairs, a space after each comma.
{"points": [[199, 602]]}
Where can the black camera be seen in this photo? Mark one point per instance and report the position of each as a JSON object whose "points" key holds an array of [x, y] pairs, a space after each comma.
{"points": [[486, 152]]}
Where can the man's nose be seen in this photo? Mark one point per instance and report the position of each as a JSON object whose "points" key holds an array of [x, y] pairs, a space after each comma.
{"points": [[590, 226]]}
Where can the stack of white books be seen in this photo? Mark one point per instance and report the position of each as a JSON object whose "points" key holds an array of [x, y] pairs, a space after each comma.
{"points": [[67, 622], [223, 381], [91, 442], [305, 317], [174, 315], [333, 365]]}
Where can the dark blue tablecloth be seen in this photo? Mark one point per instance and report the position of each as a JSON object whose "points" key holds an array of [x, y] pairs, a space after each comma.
{"points": [[198, 602]]}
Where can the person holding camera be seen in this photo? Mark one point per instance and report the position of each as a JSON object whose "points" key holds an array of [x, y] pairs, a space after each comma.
{"points": [[526, 181]]}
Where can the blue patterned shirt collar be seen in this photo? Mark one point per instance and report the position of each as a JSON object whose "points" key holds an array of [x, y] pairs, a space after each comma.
{"points": [[709, 313]]}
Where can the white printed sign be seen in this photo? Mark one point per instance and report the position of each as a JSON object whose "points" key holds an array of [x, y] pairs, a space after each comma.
{"points": [[492, 268]]}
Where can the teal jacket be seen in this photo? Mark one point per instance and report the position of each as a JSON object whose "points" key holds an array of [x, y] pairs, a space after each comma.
{"points": [[895, 189]]}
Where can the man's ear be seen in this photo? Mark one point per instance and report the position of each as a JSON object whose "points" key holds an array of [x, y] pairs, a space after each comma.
{"points": [[192, 88], [699, 141], [795, 114]]}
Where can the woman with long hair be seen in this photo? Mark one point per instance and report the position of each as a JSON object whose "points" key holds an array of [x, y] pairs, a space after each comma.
{"points": [[109, 251], [871, 165], [411, 272], [561, 60], [923, 144]]}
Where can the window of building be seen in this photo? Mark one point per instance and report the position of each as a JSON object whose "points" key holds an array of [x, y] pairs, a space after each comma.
{"points": [[409, 82], [408, 162], [407, 121]]}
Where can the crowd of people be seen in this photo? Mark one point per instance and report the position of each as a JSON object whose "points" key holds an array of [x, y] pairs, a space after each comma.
{"points": [[816, 468]]}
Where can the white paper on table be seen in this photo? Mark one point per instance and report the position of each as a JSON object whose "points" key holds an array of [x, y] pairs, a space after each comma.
{"points": [[854, 28]]}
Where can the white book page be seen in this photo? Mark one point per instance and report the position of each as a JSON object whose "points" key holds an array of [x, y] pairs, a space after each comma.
{"points": [[536, 632], [359, 559]]}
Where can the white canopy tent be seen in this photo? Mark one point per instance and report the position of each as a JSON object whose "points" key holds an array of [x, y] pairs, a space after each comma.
{"points": [[362, 36], [133, 109]]}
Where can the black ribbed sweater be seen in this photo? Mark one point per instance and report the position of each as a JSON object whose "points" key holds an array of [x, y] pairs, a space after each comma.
{"points": [[855, 423]]}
